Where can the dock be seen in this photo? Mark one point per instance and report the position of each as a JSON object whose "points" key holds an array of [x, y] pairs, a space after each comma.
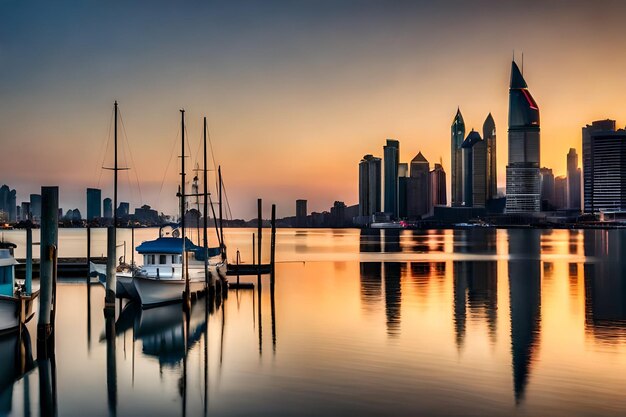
{"points": [[66, 267]]}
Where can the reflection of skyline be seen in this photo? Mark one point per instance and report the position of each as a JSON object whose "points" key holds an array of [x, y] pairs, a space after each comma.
{"points": [[525, 304], [393, 296], [605, 285], [475, 282]]}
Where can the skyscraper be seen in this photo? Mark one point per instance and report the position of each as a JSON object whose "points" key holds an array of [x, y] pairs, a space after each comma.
{"points": [[489, 136], [604, 167], [107, 208], [523, 181], [560, 192], [418, 187], [403, 175], [391, 154], [547, 189], [301, 213], [438, 186], [369, 185], [94, 197], [457, 134], [35, 207], [573, 180], [474, 151]]}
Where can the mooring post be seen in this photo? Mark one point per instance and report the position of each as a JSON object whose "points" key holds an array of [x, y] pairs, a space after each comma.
{"points": [[28, 282], [259, 231], [47, 263], [109, 296], [253, 254], [273, 240], [88, 246]]}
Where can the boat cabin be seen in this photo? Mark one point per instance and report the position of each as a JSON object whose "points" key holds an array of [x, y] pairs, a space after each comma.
{"points": [[7, 272], [162, 257]]}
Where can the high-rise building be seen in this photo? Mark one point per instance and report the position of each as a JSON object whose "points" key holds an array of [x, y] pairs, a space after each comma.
{"points": [[25, 211], [35, 207], [523, 181], [94, 198], [418, 187], [604, 167], [403, 174], [560, 192], [573, 181], [547, 189], [123, 210], [438, 186], [369, 185], [8, 203], [474, 151], [489, 136], [457, 134], [391, 155], [301, 213], [107, 208]]}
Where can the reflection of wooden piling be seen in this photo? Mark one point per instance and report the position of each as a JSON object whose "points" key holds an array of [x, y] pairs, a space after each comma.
{"points": [[253, 253], [260, 230], [109, 325], [47, 271], [273, 239]]}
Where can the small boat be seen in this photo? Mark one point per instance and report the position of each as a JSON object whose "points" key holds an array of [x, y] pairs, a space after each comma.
{"points": [[161, 279], [15, 305]]}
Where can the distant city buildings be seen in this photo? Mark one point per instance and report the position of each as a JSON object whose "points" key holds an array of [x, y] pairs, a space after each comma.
{"points": [[107, 208], [94, 203], [438, 186], [391, 155], [35, 208], [474, 178], [489, 136], [604, 167], [573, 181], [369, 186], [547, 189], [301, 213], [457, 134], [8, 204], [560, 192], [146, 215], [123, 210], [523, 181], [418, 195]]}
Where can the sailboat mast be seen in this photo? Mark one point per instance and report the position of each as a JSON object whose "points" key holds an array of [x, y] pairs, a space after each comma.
{"points": [[222, 249], [115, 169], [182, 201], [204, 213]]}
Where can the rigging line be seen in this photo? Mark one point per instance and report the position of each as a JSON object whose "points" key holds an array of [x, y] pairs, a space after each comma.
{"points": [[208, 131], [168, 164], [104, 151], [132, 160]]}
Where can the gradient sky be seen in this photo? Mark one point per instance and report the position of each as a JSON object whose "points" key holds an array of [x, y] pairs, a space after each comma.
{"points": [[296, 92]]}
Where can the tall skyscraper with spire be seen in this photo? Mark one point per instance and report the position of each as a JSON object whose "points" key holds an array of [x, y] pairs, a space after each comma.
{"points": [[457, 133], [523, 180], [489, 136]]}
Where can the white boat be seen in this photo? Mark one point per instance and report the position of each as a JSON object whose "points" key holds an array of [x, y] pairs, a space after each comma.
{"points": [[161, 279], [15, 305]]}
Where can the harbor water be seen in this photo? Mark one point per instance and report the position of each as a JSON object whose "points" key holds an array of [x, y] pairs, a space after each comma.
{"points": [[477, 322]]}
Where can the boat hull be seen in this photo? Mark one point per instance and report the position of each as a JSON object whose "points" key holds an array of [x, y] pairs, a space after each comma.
{"points": [[10, 311], [129, 291], [154, 292]]}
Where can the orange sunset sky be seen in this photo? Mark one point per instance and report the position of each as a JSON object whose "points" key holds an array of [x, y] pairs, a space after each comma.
{"points": [[295, 92]]}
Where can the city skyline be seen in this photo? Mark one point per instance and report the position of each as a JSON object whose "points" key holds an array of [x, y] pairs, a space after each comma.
{"points": [[342, 77]]}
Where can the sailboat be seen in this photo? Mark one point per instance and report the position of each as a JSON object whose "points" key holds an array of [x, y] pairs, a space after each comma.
{"points": [[174, 265]]}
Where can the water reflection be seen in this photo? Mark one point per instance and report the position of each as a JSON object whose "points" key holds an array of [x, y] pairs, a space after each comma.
{"points": [[525, 304], [16, 360], [475, 282], [393, 295], [605, 285]]}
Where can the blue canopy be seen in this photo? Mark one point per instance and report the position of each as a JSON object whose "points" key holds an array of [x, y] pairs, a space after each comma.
{"points": [[174, 246]]}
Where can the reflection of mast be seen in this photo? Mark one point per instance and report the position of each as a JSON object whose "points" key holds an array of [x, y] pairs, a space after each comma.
{"points": [[111, 362], [184, 376], [273, 308], [206, 343], [259, 296]]}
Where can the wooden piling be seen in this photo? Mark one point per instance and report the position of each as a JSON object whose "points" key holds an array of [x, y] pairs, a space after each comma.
{"points": [[111, 279], [49, 241], [28, 282]]}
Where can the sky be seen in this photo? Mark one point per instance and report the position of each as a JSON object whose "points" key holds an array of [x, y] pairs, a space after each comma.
{"points": [[295, 92]]}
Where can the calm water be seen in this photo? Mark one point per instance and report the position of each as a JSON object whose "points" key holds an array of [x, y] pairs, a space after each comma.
{"points": [[470, 322]]}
